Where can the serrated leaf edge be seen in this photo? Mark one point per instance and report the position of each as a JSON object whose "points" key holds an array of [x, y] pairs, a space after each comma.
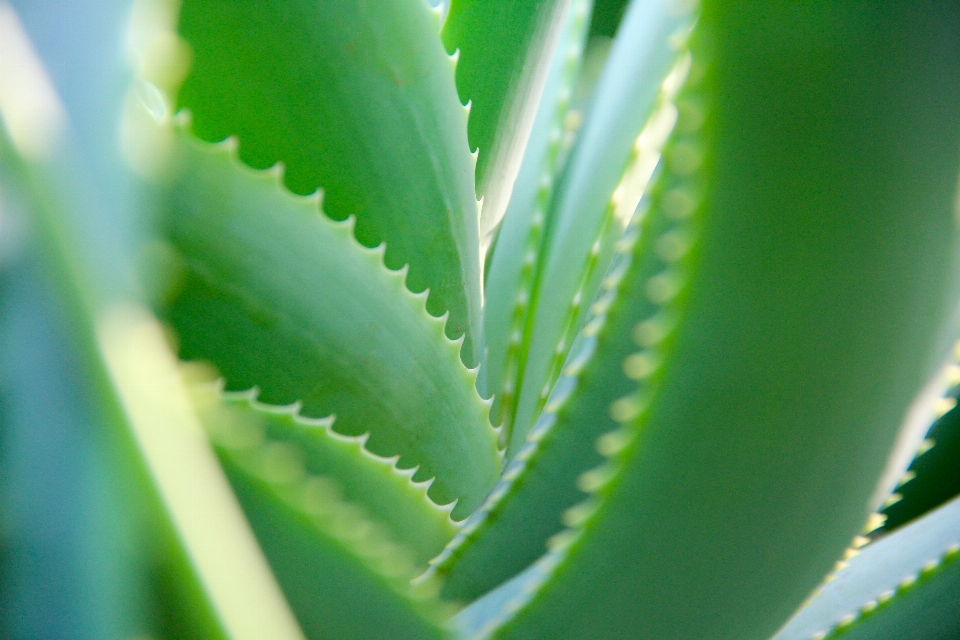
{"points": [[654, 335], [230, 147], [535, 236], [521, 464], [347, 524], [625, 197]]}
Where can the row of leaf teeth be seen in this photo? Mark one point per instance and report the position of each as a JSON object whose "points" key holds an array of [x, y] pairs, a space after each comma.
{"points": [[231, 148], [943, 406], [876, 521], [623, 207], [247, 435], [319, 498], [280, 464], [681, 204], [581, 354], [877, 604], [535, 233]]}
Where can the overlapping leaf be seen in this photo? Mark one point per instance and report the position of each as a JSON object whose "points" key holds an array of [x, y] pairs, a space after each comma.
{"points": [[731, 479], [616, 150], [505, 48], [356, 98], [279, 297], [902, 586]]}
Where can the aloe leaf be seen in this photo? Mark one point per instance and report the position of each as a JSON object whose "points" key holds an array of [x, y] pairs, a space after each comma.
{"points": [[510, 530], [520, 236], [750, 456], [921, 610], [344, 576], [358, 99], [616, 150], [903, 585], [279, 297], [505, 51], [934, 475], [364, 479]]}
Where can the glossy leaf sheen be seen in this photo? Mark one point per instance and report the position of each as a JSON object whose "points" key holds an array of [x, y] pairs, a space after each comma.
{"points": [[520, 236], [505, 51], [356, 98], [747, 471], [279, 297], [583, 224]]}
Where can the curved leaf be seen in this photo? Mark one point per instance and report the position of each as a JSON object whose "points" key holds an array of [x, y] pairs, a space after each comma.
{"points": [[278, 296], [344, 577], [520, 236], [366, 480], [357, 98], [506, 48], [749, 457], [615, 152], [510, 530], [904, 585]]}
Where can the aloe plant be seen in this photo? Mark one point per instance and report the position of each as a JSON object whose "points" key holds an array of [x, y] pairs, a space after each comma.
{"points": [[652, 338]]}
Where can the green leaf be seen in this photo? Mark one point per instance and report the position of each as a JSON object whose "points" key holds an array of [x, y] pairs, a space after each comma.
{"points": [[616, 149], [923, 610], [356, 98], [364, 479], [934, 476], [520, 236], [279, 297], [343, 576], [902, 586], [750, 456], [505, 50], [510, 530]]}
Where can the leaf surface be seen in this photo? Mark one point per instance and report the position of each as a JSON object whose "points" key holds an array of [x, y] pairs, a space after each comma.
{"points": [[520, 235], [903, 585], [934, 475], [363, 479], [750, 456], [356, 98], [617, 148], [505, 51], [279, 297], [343, 577]]}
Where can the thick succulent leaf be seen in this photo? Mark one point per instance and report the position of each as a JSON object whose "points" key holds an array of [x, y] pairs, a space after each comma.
{"points": [[934, 476], [505, 50], [902, 586], [519, 238], [364, 479], [342, 574], [510, 530], [279, 297], [750, 453], [921, 610], [356, 98], [616, 150]]}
